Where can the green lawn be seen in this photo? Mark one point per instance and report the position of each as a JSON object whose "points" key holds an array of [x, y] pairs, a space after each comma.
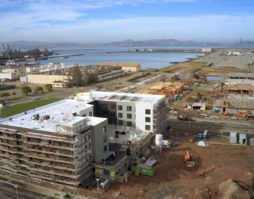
{"points": [[19, 108]]}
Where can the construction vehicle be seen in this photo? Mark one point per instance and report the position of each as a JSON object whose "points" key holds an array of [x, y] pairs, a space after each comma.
{"points": [[184, 117], [243, 114], [226, 113], [189, 162]]}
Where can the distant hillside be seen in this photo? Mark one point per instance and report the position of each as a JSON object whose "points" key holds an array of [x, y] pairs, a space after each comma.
{"points": [[128, 43], [153, 42]]}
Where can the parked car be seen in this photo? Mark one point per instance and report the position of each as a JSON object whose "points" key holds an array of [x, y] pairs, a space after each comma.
{"points": [[202, 115], [35, 98]]}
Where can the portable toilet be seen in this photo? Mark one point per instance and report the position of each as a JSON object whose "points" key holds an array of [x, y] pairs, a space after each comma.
{"points": [[242, 139], [176, 97], [251, 141], [233, 138], [205, 134]]}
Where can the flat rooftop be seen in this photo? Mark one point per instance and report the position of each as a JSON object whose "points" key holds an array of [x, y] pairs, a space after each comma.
{"points": [[66, 115], [96, 120], [50, 116], [122, 64], [113, 96]]}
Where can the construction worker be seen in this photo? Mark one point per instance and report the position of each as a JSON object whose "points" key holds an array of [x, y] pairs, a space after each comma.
{"points": [[188, 156]]}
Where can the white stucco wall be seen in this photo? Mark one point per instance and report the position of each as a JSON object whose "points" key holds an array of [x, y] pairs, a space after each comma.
{"points": [[141, 115]]}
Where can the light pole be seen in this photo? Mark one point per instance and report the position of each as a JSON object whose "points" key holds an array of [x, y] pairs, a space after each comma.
{"points": [[16, 187], [98, 187]]}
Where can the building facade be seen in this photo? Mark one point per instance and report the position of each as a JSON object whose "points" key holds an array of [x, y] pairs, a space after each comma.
{"points": [[142, 112], [56, 80], [126, 67], [65, 141]]}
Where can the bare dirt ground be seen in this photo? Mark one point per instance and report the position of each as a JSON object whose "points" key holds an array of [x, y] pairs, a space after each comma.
{"points": [[173, 178], [219, 58]]}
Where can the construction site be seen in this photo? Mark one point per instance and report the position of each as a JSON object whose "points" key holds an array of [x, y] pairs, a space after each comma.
{"points": [[165, 88], [183, 132]]}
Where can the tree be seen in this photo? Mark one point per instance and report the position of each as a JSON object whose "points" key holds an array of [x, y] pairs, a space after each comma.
{"points": [[39, 89], [26, 89], [48, 87], [76, 76], [5, 94], [92, 78], [14, 93]]}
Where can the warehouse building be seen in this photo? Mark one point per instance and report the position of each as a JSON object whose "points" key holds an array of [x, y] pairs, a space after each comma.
{"points": [[126, 67], [55, 80]]}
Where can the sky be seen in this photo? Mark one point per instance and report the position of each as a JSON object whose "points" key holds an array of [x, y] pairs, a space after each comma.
{"points": [[115, 20]]}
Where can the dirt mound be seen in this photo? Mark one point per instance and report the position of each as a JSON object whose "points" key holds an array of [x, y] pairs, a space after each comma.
{"points": [[232, 189], [165, 192], [208, 193]]}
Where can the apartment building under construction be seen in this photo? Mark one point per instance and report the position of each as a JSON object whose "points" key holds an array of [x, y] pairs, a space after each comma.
{"points": [[69, 141]]}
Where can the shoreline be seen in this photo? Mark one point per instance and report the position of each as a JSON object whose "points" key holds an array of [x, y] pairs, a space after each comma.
{"points": [[160, 51], [181, 64]]}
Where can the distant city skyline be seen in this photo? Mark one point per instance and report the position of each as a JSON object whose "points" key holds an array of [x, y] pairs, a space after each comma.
{"points": [[114, 20]]}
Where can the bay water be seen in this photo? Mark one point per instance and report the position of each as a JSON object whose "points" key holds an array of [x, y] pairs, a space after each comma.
{"points": [[95, 55]]}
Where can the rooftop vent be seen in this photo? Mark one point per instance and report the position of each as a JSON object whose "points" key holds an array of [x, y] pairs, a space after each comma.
{"points": [[46, 117], [36, 117]]}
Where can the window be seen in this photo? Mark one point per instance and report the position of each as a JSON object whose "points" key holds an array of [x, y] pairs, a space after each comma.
{"points": [[104, 129], [148, 111], [104, 106], [120, 122], [120, 107], [113, 106], [106, 172], [129, 116], [129, 123], [90, 113], [120, 115], [148, 119], [105, 138], [105, 148], [148, 127], [129, 108]]}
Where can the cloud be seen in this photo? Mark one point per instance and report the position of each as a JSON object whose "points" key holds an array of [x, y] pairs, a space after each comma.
{"points": [[207, 27], [27, 14], [6, 3], [68, 19]]}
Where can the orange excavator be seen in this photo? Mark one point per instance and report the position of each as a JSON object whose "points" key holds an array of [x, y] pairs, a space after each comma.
{"points": [[226, 113]]}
